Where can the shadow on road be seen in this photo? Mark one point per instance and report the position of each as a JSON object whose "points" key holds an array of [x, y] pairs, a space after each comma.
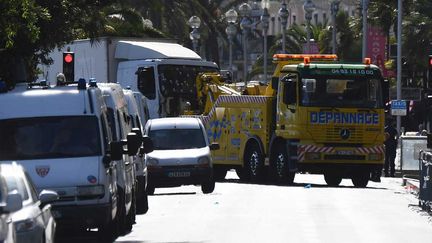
{"points": [[305, 185], [174, 193]]}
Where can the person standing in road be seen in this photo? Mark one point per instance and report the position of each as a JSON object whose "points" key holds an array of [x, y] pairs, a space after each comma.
{"points": [[391, 136]]}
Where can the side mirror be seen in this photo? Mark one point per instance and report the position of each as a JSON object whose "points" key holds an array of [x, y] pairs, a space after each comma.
{"points": [[289, 94], [13, 202], [147, 144], [214, 146], [133, 143], [137, 131], [116, 150], [47, 196]]}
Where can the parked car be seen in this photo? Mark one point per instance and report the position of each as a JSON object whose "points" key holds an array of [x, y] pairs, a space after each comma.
{"points": [[9, 203], [181, 154], [34, 221]]}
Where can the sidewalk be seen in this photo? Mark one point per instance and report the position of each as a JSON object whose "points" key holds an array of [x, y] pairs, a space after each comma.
{"points": [[410, 182]]}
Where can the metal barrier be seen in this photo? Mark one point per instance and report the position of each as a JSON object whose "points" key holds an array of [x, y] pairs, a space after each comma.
{"points": [[425, 190], [410, 150]]}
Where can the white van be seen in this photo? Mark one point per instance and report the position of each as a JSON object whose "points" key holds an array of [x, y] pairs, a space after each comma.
{"points": [[121, 125], [61, 135], [139, 161]]}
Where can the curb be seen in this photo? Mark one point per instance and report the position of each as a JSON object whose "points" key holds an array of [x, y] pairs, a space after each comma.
{"points": [[411, 185]]}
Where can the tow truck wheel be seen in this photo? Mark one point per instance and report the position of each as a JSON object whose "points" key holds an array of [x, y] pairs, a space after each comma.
{"points": [[279, 165], [360, 179], [254, 163], [332, 179]]}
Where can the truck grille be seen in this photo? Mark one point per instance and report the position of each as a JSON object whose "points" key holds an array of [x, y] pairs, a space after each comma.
{"points": [[333, 134]]}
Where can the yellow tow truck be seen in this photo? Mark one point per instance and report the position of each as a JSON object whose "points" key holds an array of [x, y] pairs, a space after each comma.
{"points": [[317, 116]]}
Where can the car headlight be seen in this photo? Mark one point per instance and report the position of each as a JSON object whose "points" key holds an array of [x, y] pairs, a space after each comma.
{"points": [[152, 162], [98, 190], [25, 225], [204, 161]]}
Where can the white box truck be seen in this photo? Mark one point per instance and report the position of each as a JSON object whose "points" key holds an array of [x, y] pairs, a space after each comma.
{"points": [[164, 72]]}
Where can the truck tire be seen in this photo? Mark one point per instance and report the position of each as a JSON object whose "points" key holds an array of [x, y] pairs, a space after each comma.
{"points": [[142, 199], [142, 207], [332, 179], [360, 179], [150, 190], [108, 233], [254, 162], [130, 217], [279, 165], [208, 187], [121, 212]]}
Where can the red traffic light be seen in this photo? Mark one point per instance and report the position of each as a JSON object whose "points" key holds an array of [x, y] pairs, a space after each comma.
{"points": [[68, 58]]}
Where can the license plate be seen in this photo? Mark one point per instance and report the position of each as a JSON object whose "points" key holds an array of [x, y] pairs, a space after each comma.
{"points": [[179, 174], [345, 152]]}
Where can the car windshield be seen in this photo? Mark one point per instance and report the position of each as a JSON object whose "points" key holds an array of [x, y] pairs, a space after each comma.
{"points": [[341, 92], [167, 139], [49, 137]]}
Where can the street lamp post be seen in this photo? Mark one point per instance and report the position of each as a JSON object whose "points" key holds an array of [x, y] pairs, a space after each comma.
{"points": [[283, 17], [364, 14], [309, 8], [194, 22], [231, 31], [334, 10], [265, 19], [245, 24]]}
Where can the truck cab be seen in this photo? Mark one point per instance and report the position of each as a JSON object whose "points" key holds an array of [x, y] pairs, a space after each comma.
{"points": [[330, 120]]}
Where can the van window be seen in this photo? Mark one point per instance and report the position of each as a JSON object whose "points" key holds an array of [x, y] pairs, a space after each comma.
{"points": [[49, 137], [166, 139], [147, 82], [112, 123], [105, 131]]}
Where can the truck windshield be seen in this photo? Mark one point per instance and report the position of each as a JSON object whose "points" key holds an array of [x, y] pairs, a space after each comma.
{"points": [[171, 139], [180, 80], [341, 92], [49, 137]]}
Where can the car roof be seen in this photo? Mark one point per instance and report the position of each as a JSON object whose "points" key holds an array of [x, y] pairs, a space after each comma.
{"points": [[174, 123]]}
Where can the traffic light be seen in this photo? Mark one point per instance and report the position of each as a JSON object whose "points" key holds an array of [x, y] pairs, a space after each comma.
{"points": [[430, 63], [69, 66]]}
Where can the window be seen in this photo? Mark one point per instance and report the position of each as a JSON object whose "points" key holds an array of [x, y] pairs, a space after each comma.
{"points": [[341, 92], [147, 82], [49, 137], [166, 139]]}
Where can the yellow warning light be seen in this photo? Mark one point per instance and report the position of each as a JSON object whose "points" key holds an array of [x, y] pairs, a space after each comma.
{"points": [[367, 61], [288, 57], [306, 60]]}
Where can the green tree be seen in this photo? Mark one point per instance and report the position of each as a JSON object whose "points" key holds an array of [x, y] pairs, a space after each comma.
{"points": [[29, 29]]}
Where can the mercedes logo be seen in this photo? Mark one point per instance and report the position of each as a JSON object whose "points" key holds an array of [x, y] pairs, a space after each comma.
{"points": [[344, 133]]}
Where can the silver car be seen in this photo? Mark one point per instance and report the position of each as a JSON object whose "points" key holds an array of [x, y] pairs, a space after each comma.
{"points": [[181, 154], [9, 203], [34, 221]]}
